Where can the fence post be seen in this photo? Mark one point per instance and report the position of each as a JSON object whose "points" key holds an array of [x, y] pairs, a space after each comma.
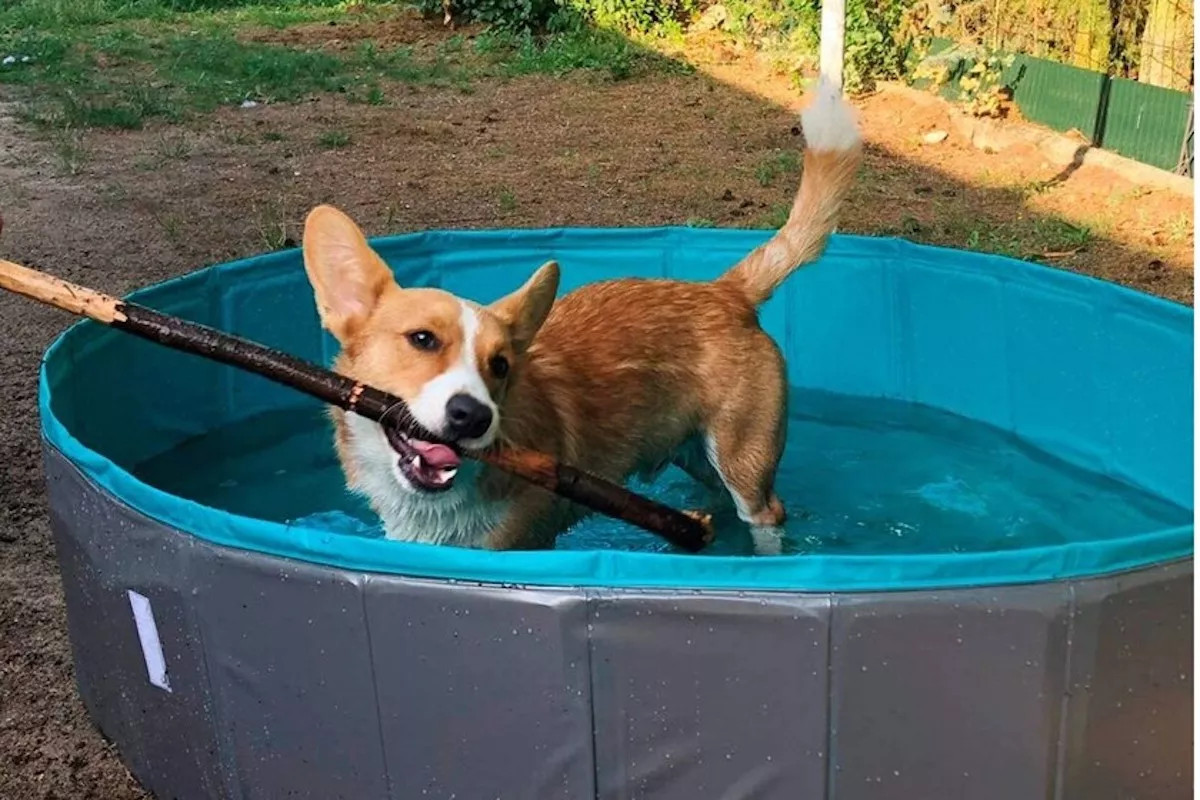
{"points": [[1186, 149], [833, 39]]}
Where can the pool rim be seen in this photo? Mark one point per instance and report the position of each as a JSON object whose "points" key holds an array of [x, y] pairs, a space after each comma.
{"points": [[621, 569]]}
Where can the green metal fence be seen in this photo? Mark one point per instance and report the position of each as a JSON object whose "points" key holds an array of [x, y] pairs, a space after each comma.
{"points": [[1059, 96], [1145, 122], [1140, 121]]}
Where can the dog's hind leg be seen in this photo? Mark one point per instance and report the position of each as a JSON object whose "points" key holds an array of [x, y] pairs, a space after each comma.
{"points": [[692, 458], [744, 441]]}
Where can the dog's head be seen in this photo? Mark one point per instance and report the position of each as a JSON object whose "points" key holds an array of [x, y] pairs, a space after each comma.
{"points": [[452, 361]]}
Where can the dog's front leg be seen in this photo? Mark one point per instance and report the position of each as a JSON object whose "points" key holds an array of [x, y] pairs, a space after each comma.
{"points": [[528, 525]]}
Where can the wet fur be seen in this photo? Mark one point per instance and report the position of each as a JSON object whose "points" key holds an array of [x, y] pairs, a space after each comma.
{"points": [[617, 378]]}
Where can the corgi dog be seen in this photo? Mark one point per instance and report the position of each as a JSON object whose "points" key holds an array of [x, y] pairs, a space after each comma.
{"points": [[616, 378]]}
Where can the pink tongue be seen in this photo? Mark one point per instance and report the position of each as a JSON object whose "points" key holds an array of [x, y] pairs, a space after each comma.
{"points": [[437, 456]]}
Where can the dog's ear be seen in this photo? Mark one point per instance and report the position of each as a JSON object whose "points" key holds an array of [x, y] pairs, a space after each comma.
{"points": [[526, 309], [347, 276]]}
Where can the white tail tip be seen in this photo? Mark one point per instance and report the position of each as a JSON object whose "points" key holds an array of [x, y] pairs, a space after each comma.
{"points": [[829, 122]]}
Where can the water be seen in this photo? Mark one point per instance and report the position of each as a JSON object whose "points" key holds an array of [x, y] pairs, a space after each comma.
{"points": [[858, 476]]}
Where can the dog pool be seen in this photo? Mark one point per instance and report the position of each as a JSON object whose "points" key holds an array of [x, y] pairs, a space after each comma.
{"points": [[984, 590]]}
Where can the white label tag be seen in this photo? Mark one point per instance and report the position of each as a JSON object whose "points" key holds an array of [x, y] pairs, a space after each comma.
{"points": [[143, 617]]}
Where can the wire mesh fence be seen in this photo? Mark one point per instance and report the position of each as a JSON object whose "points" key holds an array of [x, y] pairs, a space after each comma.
{"points": [[1119, 73], [1150, 41]]}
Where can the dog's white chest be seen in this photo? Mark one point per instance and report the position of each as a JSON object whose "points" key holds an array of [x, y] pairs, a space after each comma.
{"points": [[461, 516], [463, 521]]}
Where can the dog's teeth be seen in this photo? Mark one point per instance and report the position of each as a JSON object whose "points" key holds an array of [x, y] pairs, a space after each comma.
{"points": [[445, 475], [416, 462]]}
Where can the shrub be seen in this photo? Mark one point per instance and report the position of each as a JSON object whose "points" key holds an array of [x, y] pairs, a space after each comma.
{"points": [[508, 15], [536, 16], [878, 39], [636, 15], [879, 33]]}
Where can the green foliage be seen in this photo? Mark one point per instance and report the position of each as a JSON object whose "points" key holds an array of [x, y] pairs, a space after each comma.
{"points": [[1043, 237], [334, 140], [375, 96], [511, 15], [526, 35], [773, 218], [878, 42], [976, 73], [780, 163], [636, 15], [119, 75], [507, 200], [145, 62], [583, 48], [875, 48], [561, 16], [59, 14]]}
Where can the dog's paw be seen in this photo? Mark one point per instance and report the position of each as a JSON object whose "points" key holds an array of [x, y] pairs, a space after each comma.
{"points": [[768, 540]]}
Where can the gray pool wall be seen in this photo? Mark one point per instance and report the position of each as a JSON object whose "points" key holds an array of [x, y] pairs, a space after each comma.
{"points": [[294, 680]]}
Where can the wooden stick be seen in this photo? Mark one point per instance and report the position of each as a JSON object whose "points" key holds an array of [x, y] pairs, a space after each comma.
{"points": [[687, 531]]}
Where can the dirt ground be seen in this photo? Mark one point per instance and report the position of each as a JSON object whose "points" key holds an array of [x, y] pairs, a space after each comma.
{"points": [[580, 150]]}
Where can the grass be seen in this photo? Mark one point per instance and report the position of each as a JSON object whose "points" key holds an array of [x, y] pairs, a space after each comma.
{"points": [[781, 163], [240, 138], [113, 79], [70, 150], [114, 193], [393, 214], [1035, 239], [1046, 237], [772, 218], [270, 224], [507, 200], [172, 227], [1180, 228], [603, 51], [121, 63], [334, 140], [65, 14], [170, 147], [1035, 188]]}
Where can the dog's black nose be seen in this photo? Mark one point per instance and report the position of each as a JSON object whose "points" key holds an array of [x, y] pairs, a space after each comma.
{"points": [[466, 417]]}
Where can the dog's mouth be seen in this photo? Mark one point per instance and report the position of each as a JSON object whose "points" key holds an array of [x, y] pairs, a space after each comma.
{"points": [[428, 466]]}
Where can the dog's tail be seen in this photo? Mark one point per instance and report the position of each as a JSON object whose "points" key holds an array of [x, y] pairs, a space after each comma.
{"points": [[833, 151]]}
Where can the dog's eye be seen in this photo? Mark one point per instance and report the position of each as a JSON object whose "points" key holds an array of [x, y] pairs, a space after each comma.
{"points": [[499, 366], [423, 340]]}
